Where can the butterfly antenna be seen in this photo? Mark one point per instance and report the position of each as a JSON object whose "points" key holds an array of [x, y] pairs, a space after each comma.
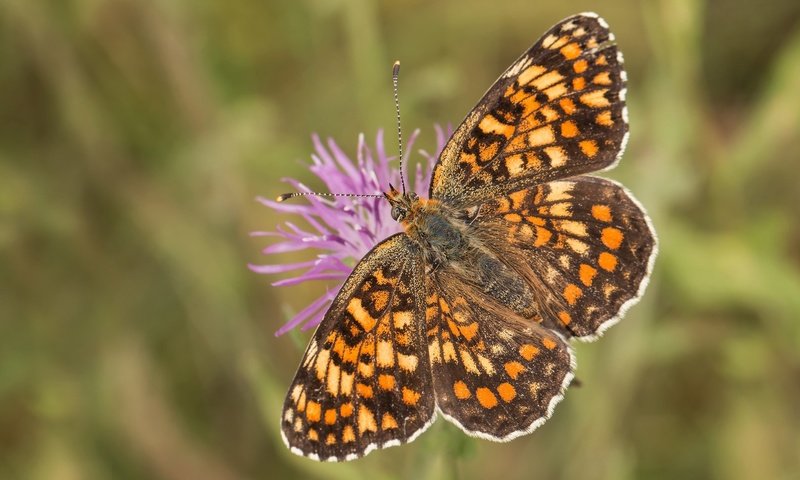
{"points": [[287, 196], [395, 74]]}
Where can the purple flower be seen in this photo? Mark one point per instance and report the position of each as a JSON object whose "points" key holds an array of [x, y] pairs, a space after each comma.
{"points": [[341, 229]]}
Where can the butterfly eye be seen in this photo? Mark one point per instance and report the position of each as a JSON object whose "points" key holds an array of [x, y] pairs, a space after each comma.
{"points": [[413, 196], [398, 213]]}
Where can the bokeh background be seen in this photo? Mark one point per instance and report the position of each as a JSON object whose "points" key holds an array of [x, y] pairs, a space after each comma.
{"points": [[135, 135]]}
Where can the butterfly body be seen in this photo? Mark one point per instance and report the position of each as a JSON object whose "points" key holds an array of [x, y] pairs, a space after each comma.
{"points": [[451, 246], [437, 231], [469, 310]]}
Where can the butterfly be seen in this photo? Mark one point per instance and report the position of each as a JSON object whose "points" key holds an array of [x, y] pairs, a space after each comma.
{"points": [[468, 312]]}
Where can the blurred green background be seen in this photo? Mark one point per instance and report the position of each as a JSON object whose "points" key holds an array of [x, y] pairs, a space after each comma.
{"points": [[135, 134]]}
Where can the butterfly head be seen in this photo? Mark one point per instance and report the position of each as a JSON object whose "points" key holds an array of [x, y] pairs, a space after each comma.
{"points": [[402, 204]]}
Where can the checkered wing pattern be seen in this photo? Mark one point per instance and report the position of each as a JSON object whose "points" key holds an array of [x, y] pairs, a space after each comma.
{"points": [[589, 242], [494, 377], [558, 111], [364, 381]]}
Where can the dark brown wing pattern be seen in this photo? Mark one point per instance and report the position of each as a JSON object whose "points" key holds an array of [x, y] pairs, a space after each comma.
{"points": [[494, 377], [364, 381], [558, 111], [588, 241]]}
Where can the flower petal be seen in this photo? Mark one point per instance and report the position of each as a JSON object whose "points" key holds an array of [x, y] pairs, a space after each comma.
{"points": [[345, 229], [303, 314]]}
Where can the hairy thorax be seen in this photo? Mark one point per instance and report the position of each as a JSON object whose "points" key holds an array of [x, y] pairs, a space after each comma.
{"points": [[454, 252]]}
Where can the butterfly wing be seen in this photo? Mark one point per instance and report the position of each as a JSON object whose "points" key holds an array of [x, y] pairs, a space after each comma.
{"points": [[558, 111], [494, 377], [364, 381], [587, 240]]}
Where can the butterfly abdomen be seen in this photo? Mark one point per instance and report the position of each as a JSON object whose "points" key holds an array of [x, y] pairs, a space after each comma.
{"points": [[451, 250]]}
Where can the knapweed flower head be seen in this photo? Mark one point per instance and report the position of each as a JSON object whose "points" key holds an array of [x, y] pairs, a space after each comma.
{"points": [[341, 230]]}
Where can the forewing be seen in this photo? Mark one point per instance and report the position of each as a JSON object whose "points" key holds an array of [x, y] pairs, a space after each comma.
{"points": [[364, 381], [495, 377], [558, 111], [588, 241]]}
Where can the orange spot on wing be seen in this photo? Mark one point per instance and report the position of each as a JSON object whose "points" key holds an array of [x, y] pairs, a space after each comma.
{"points": [[517, 198], [488, 152], [556, 91], [541, 136], [602, 78], [364, 390], [385, 357], [611, 237], [469, 159], [595, 98], [407, 362], [348, 435], [360, 314], [578, 83], [514, 164], [559, 43], [330, 439], [580, 66], [587, 273], [385, 381], [601, 212], [571, 50], [461, 390], [529, 105], [564, 317], [530, 73], [517, 143], [346, 409], [449, 352], [513, 369], [379, 299], [330, 416], [569, 129], [381, 278], [365, 369], [549, 344], [403, 338], [486, 398], [506, 391], [548, 79], [444, 306], [402, 319], [468, 362], [567, 105], [607, 261], [543, 236], [469, 331], [589, 147], [350, 354], [535, 220], [604, 118], [333, 379], [388, 422], [366, 420], [571, 293], [313, 411], [489, 124], [528, 351], [513, 218], [410, 397], [313, 435]]}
